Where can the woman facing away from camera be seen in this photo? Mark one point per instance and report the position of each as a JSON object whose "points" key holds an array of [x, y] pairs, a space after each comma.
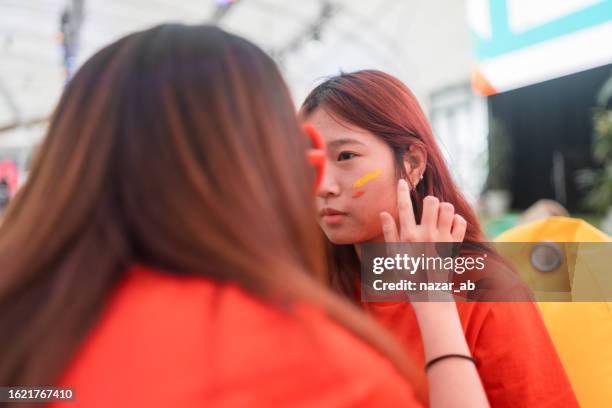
{"points": [[386, 181], [177, 262]]}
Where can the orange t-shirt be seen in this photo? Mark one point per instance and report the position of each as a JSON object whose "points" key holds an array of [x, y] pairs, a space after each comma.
{"points": [[517, 361], [170, 341]]}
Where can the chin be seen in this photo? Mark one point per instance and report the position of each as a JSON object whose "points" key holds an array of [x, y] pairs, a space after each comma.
{"points": [[339, 240], [343, 237], [339, 237]]}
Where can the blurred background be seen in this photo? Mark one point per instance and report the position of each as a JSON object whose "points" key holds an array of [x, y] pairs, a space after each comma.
{"points": [[518, 92]]}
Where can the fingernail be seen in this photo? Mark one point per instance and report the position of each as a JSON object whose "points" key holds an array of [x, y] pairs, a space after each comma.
{"points": [[403, 183]]}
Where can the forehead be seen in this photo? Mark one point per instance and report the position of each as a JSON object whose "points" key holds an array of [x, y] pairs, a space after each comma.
{"points": [[334, 129]]}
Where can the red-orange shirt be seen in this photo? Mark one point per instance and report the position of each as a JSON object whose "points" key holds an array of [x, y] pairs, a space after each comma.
{"points": [[169, 341], [517, 361]]}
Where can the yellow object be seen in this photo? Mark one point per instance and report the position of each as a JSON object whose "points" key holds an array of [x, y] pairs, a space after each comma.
{"points": [[361, 181], [581, 331]]}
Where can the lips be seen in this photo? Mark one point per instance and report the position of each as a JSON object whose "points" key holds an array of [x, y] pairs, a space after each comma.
{"points": [[330, 211], [332, 216]]}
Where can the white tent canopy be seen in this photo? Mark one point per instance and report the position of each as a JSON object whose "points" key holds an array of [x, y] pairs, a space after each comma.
{"points": [[386, 34], [426, 44]]}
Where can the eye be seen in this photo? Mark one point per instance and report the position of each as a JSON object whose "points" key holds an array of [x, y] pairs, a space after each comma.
{"points": [[346, 156]]}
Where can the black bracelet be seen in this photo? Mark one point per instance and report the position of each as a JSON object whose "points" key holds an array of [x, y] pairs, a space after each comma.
{"points": [[435, 360]]}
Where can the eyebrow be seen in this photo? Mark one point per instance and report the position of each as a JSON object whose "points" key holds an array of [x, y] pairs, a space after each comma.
{"points": [[344, 141]]}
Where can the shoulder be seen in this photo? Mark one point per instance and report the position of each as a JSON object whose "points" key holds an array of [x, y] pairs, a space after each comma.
{"points": [[208, 343]]}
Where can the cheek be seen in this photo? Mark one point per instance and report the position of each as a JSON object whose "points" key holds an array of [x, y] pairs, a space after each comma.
{"points": [[378, 196], [375, 196]]}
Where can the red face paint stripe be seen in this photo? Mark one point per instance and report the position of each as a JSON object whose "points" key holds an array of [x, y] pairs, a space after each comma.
{"points": [[358, 194]]}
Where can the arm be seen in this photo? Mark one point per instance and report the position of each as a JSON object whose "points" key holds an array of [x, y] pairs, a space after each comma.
{"points": [[452, 381]]}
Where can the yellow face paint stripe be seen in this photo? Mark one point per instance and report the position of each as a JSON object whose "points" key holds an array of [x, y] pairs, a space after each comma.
{"points": [[361, 181]]}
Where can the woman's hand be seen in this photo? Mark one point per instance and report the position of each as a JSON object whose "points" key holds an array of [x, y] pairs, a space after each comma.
{"points": [[439, 223], [452, 382]]}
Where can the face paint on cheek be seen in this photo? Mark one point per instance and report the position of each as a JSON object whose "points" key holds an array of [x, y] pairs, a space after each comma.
{"points": [[363, 180]]}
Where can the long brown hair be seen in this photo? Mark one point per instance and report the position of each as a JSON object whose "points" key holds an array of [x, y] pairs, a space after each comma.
{"points": [[381, 104], [178, 148]]}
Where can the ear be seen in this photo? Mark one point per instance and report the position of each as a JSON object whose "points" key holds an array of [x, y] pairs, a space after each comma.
{"points": [[317, 154], [415, 163]]}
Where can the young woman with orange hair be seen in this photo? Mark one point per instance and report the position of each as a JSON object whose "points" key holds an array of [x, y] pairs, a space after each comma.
{"points": [[377, 133]]}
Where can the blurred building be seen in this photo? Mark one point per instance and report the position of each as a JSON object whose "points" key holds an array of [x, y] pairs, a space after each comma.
{"points": [[542, 65]]}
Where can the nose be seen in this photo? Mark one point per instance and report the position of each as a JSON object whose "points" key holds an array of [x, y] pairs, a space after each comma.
{"points": [[329, 186]]}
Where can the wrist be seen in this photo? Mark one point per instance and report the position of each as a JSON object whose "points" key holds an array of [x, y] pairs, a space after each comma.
{"points": [[440, 328], [425, 308]]}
